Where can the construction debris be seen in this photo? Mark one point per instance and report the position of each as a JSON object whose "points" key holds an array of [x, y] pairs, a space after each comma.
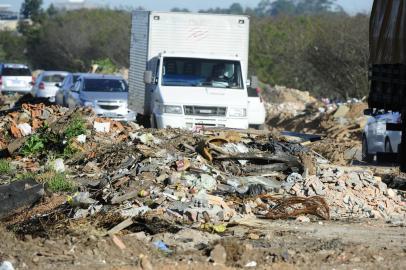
{"points": [[340, 123], [173, 189], [181, 176]]}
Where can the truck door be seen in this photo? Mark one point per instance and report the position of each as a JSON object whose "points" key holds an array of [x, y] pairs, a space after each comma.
{"points": [[151, 89]]}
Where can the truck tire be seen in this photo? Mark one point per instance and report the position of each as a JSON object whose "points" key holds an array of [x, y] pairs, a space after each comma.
{"points": [[366, 156], [143, 120]]}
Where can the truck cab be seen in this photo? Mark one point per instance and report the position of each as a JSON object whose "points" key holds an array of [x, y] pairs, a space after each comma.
{"points": [[189, 91]]}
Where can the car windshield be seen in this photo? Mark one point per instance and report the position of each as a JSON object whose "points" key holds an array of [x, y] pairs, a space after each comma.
{"points": [[53, 78], [105, 85], [16, 72], [201, 73]]}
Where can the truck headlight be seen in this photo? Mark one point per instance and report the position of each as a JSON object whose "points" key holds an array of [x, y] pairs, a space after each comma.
{"points": [[172, 109], [237, 112]]}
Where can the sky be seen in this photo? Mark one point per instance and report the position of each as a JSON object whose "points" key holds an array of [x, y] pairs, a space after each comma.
{"points": [[351, 6]]}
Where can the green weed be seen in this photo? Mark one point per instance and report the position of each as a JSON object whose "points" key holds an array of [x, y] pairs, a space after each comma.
{"points": [[5, 167], [56, 182], [76, 127], [34, 145], [59, 183]]}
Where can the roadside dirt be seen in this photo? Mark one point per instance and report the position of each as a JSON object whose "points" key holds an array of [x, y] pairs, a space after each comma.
{"points": [[280, 245]]}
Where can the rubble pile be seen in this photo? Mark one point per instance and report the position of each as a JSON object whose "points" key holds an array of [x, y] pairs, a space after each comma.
{"points": [[287, 102], [205, 180], [351, 192], [341, 125]]}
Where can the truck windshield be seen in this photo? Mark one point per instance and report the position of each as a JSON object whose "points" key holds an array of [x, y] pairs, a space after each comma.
{"points": [[201, 73], [105, 85]]}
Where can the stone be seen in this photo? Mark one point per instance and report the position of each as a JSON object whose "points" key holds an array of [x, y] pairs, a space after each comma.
{"points": [[391, 193], [318, 187], [145, 263], [341, 111], [381, 186], [218, 255], [303, 219], [347, 199], [354, 182], [253, 236], [45, 115]]}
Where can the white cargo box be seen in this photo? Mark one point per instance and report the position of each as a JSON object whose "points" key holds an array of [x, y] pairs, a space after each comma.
{"points": [[194, 34]]}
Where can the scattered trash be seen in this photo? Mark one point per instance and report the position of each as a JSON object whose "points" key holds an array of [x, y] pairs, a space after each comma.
{"points": [[6, 265], [58, 165], [18, 195], [162, 246], [81, 199], [102, 127], [25, 129], [251, 264]]}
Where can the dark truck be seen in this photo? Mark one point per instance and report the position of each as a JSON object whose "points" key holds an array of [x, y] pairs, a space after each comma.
{"points": [[387, 74]]}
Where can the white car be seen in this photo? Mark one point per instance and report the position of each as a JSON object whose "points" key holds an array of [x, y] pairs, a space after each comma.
{"points": [[15, 78], [256, 109], [46, 84], [377, 138]]}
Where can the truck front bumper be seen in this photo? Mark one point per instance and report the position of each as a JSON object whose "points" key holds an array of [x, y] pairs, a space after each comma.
{"points": [[190, 122]]}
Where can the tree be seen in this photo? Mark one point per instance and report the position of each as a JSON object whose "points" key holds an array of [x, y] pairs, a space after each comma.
{"points": [[284, 7], [52, 11], [12, 46], [295, 7], [339, 55], [88, 35], [180, 10], [236, 8], [326, 54], [31, 9]]}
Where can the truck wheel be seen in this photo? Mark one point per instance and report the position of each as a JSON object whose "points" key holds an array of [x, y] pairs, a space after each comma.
{"points": [[143, 120], [59, 99], [366, 156], [388, 146], [262, 127]]}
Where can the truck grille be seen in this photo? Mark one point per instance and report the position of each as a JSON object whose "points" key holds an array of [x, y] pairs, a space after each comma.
{"points": [[207, 111]]}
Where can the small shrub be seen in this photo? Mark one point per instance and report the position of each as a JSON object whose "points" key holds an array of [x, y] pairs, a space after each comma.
{"points": [[34, 145]]}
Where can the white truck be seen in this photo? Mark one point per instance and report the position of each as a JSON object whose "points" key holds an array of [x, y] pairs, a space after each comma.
{"points": [[189, 70]]}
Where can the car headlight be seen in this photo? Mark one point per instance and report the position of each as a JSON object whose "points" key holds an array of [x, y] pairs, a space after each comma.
{"points": [[172, 109], [87, 103], [237, 112]]}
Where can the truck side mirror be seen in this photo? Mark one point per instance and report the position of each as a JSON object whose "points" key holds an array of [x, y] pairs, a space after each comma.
{"points": [[368, 112], [254, 82], [148, 77]]}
